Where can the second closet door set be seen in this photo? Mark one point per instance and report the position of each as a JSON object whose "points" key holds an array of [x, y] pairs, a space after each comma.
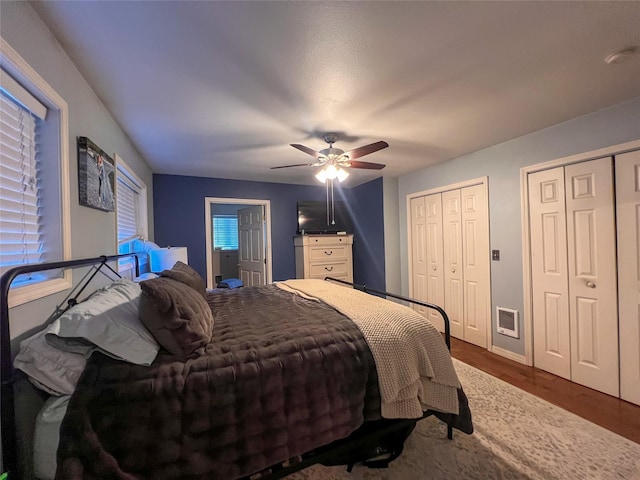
{"points": [[586, 274], [450, 259]]}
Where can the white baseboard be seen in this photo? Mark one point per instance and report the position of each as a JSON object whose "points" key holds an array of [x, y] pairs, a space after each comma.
{"points": [[516, 357]]}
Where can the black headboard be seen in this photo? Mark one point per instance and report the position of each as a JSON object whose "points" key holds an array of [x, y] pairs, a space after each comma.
{"points": [[7, 373]]}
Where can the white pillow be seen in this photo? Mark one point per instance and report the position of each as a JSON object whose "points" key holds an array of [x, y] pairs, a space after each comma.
{"points": [[52, 370], [106, 322], [47, 436], [145, 276]]}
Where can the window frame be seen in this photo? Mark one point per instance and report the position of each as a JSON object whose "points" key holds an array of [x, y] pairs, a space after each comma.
{"points": [[23, 73], [127, 265]]}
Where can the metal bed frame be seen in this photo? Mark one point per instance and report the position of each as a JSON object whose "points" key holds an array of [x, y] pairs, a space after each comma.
{"points": [[7, 372], [8, 378]]}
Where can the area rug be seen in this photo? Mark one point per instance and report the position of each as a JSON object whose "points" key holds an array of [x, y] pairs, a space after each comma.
{"points": [[517, 436]]}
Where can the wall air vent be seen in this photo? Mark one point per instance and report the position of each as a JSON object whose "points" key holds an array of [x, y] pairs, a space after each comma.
{"points": [[508, 322]]}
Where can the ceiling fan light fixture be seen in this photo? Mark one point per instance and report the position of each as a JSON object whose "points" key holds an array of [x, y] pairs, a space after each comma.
{"points": [[322, 176], [335, 160], [331, 171]]}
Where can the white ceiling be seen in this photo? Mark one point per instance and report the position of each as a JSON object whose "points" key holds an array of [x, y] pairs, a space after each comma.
{"points": [[220, 89]]}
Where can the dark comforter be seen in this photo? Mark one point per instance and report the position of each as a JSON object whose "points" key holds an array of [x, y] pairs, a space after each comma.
{"points": [[282, 376]]}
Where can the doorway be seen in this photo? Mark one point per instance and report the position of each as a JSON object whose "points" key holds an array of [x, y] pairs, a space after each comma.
{"points": [[236, 247]]}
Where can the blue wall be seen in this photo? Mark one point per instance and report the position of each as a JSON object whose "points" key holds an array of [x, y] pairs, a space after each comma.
{"points": [[366, 201], [178, 203]]}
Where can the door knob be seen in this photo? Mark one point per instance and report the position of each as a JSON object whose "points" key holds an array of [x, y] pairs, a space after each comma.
{"points": [[590, 284], [453, 270], [434, 268]]}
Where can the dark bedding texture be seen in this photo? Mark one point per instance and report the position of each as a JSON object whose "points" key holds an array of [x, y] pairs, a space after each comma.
{"points": [[282, 375]]}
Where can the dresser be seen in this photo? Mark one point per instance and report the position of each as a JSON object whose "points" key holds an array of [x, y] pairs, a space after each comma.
{"points": [[327, 255]]}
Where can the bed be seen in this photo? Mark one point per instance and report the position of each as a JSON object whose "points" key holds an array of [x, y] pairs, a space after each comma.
{"points": [[246, 382]]}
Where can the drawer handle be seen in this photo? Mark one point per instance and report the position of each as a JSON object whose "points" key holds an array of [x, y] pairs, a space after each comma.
{"points": [[330, 252], [329, 269]]}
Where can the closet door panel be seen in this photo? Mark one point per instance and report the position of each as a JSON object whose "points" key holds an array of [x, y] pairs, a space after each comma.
{"points": [[592, 277], [418, 253], [628, 210], [434, 260], [549, 271], [453, 268], [475, 234]]}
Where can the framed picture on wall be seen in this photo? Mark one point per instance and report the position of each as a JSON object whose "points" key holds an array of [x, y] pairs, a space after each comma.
{"points": [[96, 176]]}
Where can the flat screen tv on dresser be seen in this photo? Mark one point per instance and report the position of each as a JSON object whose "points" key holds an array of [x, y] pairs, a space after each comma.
{"points": [[314, 218]]}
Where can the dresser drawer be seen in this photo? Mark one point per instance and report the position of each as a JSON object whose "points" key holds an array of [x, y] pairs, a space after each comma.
{"points": [[328, 240], [328, 253], [329, 269]]}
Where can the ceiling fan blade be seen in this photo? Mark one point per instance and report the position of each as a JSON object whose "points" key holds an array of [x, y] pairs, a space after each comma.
{"points": [[367, 165], [366, 150], [296, 165], [306, 150]]}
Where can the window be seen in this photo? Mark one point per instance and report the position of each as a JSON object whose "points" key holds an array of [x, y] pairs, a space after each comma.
{"points": [[34, 178], [21, 224], [131, 214], [225, 232]]}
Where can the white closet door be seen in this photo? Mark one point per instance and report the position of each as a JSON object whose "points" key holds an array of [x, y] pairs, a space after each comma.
{"points": [[628, 206], [435, 275], [453, 286], [550, 286], [475, 234], [418, 254], [593, 308]]}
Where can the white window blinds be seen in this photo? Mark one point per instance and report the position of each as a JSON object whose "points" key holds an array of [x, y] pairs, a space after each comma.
{"points": [[128, 212], [225, 232], [21, 230]]}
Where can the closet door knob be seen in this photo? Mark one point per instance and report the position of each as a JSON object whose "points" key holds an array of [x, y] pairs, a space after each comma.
{"points": [[453, 270], [590, 284], [435, 268]]}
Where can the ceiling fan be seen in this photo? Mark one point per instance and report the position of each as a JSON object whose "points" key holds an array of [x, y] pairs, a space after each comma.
{"points": [[334, 160]]}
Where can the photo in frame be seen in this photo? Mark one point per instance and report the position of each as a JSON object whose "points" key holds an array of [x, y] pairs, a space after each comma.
{"points": [[96, 176]]}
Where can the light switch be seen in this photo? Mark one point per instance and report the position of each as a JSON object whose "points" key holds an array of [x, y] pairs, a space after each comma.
{"points": [[495, 255]]}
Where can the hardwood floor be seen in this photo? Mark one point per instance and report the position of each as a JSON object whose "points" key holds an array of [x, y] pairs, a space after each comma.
{"points": [[609, 412]]}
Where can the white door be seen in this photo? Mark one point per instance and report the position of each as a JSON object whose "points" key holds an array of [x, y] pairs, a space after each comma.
{"points": [[453, 286], [549, 272], [435, 274], [628, 206], [593, 308], [418, 254], [476, 274], [251, 252]]}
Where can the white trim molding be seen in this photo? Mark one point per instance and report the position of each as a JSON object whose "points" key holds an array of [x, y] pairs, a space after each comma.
{"points": [[516, 357], [23, 72], [208, 202]]}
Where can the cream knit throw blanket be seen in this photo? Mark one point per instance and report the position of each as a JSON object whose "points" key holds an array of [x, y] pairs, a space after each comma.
{"points": [[415, 370]]}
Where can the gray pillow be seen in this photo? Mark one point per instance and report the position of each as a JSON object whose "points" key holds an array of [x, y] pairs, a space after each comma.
{"points": [[183, 273], [48, 368], [176, 315], [106, 322]]}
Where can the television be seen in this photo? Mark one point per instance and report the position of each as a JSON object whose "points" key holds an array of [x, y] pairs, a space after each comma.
{"points": [[312, 217]]}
